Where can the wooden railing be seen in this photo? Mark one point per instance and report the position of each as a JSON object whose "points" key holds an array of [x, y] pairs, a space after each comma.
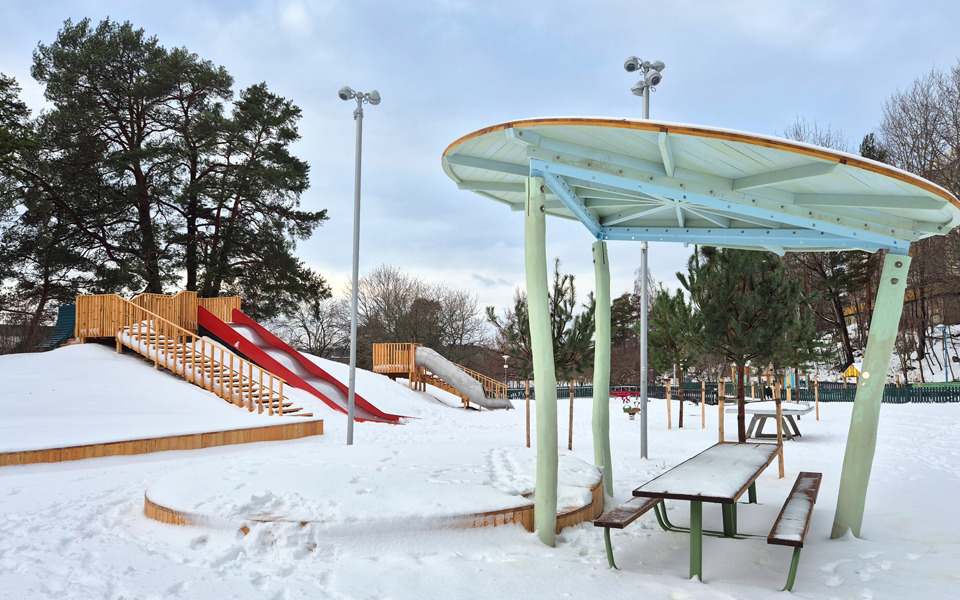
{"points": [[400, 359], [197, 360], [222, 308], [394, 359], [491, 387], [181, 308]]}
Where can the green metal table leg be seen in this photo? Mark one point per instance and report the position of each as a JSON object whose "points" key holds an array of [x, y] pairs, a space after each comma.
{"points": [[661, 518], [752, 493], [729, 519], [696, 540], [793, 570], [606, 541]]}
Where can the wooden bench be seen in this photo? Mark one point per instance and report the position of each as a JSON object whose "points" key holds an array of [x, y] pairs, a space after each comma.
{"points": [[792, 524], [620, 517]]}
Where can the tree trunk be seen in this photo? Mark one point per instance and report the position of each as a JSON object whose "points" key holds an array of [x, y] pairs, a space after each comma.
{"points": [[845, 343], [741, 403], [680, 385]]}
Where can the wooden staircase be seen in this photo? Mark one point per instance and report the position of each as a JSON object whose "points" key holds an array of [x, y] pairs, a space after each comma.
{"points": [[197, 360], [230, 379]]}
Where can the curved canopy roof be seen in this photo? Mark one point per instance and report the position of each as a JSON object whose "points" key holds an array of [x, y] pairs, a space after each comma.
{"points": [[656, 181]]}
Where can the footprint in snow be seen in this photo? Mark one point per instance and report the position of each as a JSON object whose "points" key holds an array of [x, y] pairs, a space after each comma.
{"points": [[833, 580], [869, 555], [831, 567]]}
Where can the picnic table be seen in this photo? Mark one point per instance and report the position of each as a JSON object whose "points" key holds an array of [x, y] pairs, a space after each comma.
{"points": [[767, 409], [721, 474]]}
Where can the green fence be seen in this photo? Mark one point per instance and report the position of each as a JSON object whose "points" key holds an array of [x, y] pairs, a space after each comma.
{"points": [[828, 392]]}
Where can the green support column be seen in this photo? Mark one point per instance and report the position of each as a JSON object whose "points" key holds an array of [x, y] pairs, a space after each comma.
{"points": [[601, 367], [544, 374], [862, 439], [696, 539]]}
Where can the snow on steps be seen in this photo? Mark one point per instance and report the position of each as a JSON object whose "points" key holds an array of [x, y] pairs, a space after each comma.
{"points": [[212, 368]]}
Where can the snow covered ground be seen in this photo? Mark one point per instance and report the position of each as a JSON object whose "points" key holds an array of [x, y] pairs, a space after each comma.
{"points": [[77, 529]]}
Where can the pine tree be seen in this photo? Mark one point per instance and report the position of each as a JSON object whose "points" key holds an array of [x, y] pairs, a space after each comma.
{"points": [[746, 305], [572, 333], [671, 336]]}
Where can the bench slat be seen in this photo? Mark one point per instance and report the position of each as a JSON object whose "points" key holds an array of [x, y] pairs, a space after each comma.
{"points": [[792, 524], [626, 513]]}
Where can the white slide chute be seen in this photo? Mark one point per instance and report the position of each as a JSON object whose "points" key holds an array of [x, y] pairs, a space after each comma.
{"points": [[453, 375]]}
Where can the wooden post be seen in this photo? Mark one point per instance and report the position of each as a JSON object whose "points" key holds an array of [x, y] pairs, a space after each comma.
{"points": [[601, 366], [703, 404], [789, 398], [669, 423], [528, 412], [864, 421], [570, 434], [721, 390], [753, 393], [816, 394], [780, 436], [544, 369]]}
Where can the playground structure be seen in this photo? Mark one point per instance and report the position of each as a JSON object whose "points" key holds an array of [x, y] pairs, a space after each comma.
{"points": [[422, 366], [252, 341], [164, 329]]}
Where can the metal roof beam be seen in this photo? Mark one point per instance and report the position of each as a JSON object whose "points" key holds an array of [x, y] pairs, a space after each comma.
{"points": [[783, 238], [867, 201], [484, 163], [775, 177], [491, 186], [708, 216], [574, 204], [865, 238], [629, 215], [585, 152]]}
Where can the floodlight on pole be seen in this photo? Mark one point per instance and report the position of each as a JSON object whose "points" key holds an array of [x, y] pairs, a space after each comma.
{"points": [[651, 77], [373, 98]]}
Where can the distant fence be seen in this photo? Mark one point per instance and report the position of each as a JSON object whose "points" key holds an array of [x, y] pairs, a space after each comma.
{"points": [[828, 392]]}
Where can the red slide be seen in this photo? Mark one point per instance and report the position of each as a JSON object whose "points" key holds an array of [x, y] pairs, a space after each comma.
{"points": [[258, 345]]}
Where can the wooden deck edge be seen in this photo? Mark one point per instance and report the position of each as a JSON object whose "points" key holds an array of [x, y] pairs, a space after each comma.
{"points": [[521, 515], [194, 441]]}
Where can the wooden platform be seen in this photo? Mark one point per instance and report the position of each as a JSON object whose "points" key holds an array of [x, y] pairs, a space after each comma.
{"points": [[522, 515], [196, 441]]}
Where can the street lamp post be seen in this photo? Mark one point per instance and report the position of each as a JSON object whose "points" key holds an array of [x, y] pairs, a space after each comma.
{"points": [[946, 369], [371, 98], [505, 365], [651, 77]]}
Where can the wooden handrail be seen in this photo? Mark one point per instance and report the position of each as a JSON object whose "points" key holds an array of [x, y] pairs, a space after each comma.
{"points": [[491, 387], [196, 359]]}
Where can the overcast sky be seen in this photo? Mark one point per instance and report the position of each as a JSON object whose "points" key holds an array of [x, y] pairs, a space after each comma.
{"points": [[446, 68]]}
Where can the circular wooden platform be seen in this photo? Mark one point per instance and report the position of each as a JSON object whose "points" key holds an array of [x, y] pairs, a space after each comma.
{"points": [[342, 496]]}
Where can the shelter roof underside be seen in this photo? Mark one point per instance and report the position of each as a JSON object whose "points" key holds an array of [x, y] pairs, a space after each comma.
{"points": [[654, 181]]}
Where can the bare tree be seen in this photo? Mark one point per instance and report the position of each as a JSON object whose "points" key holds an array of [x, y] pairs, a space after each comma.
{"points": [[396, 307], [320, 327], [920, 131], [812, 132]]}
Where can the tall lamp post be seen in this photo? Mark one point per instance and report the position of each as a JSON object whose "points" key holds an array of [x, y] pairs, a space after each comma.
{"points": [[505, 366], [946, 368], [651, 77], [371, 98]]}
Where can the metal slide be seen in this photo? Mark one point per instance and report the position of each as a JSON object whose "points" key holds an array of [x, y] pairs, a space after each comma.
{"points": [[250, 339], [454, 376]]}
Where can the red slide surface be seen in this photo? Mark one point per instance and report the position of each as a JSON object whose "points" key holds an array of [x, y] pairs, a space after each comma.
{"points": [[273, 354]]}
